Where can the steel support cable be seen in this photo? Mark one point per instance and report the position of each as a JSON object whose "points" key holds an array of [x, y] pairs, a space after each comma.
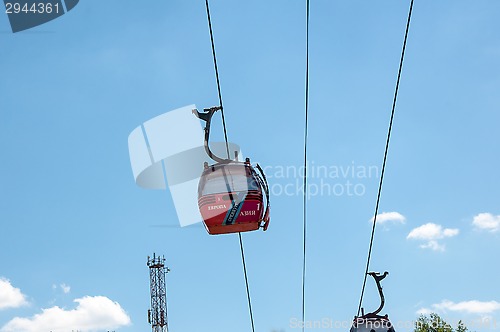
{"points": [[229, 157], [385, 157], [217, 77], [304, 230], [246, 282]]}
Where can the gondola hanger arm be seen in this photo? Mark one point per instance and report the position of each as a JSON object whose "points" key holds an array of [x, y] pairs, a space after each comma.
{"points": [[378, 278], [207, 117]]}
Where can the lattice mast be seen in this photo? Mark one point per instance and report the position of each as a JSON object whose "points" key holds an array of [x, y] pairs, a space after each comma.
{"points": [[157, 315]]}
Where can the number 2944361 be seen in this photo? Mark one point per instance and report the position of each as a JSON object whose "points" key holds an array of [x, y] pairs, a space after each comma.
{"points": [[34, 8]]}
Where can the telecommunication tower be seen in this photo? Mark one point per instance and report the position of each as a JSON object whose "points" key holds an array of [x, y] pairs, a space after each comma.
{"points": [[157, 314]]}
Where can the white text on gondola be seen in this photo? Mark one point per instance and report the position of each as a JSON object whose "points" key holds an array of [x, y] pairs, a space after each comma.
{"points": [[217, 207]]}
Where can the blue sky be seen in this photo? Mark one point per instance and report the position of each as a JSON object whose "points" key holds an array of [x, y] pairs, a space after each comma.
{"points": [[76, 230]]}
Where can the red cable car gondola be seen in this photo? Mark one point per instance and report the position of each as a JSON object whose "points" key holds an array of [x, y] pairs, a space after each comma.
{"points": [[372, 322], [231, 193]]}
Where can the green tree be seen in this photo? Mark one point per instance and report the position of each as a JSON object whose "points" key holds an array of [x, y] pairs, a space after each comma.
{"points": [[461, 327], [434, 323]]}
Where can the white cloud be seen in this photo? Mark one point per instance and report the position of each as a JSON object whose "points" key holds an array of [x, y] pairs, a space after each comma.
{"points": [[424, 311], [92, 314], [65, 288], [470, 307], [450, 232], [10, 297], [433, 245], [487, 221], [431, 233], [385, 217]]}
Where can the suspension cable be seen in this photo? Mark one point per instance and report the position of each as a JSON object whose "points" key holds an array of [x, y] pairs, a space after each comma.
{"points": [[217, 77], [385, 157], [304, 231], [229, 157], [246, 282]]}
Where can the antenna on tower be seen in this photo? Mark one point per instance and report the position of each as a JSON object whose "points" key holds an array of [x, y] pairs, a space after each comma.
{"points": [[157, 314]]}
